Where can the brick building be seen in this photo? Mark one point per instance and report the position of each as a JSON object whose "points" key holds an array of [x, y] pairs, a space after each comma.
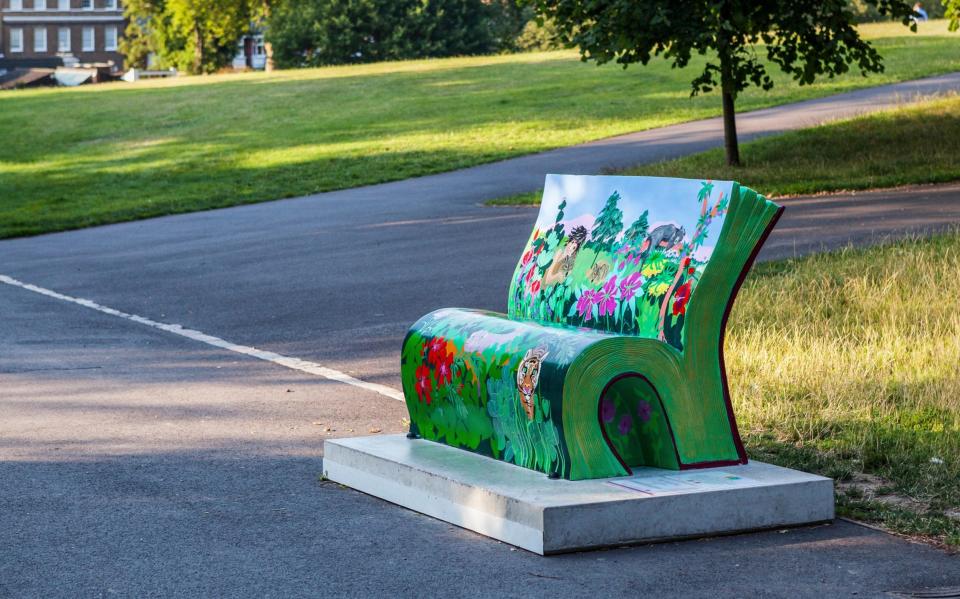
{"points": [[50, 33]]}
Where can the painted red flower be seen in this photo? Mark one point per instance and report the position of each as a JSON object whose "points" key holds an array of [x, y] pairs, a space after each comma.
{"points": [[437, 350], [680, 299], [444, 371], [527, 257], [530, 274], [424, 384], [535, 287]]}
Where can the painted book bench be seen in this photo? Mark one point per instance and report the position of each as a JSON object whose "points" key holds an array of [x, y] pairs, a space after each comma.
{"points": [[610, 355]]}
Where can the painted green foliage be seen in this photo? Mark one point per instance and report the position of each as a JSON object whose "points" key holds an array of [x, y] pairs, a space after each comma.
{"points": [[634, 421], [582, 268], [460, 377]]}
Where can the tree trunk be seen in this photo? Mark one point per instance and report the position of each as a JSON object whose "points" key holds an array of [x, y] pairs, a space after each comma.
{"points": [[268, 48], [730, 131], [197, 49]]}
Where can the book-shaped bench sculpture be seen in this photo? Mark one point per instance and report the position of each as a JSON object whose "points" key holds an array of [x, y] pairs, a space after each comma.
{"points": [[610, 355]]}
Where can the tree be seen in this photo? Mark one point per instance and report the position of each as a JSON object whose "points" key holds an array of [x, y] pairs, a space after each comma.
{"points": [[953, 13], [197, 36], [638, 230], [804, 38], [609, 223], [322, 32]]}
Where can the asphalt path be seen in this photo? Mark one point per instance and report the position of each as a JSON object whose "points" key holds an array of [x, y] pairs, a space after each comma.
{"points": [[136, 462]]}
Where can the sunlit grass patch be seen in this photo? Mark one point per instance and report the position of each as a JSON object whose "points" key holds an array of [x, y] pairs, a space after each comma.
{"points": [[914, 143], [849, 362]]}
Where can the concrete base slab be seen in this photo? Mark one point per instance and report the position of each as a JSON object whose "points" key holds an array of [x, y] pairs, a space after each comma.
{"points": [[529, 510]]}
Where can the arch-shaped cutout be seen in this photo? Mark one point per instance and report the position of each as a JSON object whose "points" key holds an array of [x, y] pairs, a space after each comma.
{"points": [[635, 425]]}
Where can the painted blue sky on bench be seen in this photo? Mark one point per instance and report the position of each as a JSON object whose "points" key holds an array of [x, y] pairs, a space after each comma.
{"points": [[671, 201]]}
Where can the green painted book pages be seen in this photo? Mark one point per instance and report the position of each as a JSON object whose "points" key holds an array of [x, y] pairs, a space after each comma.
{"points": [[610, 355]]}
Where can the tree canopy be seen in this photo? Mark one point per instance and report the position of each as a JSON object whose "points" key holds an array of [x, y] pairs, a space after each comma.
{"points": [[196, 36], [320, 32], [804, 38]]}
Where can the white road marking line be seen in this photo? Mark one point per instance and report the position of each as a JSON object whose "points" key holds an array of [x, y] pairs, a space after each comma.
{"points": [[269, 356]]}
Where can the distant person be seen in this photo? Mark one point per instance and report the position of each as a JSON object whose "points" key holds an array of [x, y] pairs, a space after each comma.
{"points": [[918, 13]]}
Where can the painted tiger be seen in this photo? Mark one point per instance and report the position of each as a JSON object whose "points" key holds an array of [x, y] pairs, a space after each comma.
{"points": [[528, 375]]}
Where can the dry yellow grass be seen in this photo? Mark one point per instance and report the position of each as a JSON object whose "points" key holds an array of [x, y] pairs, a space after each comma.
{"points": [[850, 362]]}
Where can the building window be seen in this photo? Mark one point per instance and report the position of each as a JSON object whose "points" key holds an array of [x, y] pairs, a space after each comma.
{"points": [[16, 40], [39, 4], [110, 37], [63, 39], [86, 4], [88, 39], [63, 4], [40, 39], [110, 4], [16, 4]]}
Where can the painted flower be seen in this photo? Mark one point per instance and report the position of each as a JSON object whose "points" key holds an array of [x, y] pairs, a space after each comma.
{"points": [[535, 287], [527, 257], [658, 289], [437, 351], [644, 410], [680, 299], [424, 385], [607, 410], [530, 274], [626, 423], [444, 371], [604, 299], [585, 304], [629, 286]]}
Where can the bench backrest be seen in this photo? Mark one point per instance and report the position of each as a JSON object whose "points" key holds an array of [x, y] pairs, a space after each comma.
{"points": [[619, 254]]}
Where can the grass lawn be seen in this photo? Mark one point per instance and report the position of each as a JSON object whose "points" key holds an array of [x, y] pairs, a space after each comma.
{"points": [[918, 143], [849, 363], [99, 154]]}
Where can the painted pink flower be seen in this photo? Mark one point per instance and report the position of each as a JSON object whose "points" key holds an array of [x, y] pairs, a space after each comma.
{"points": [[604, 299], [644, 410], [607, 410], [626, 423], [585, 304], [629, 286]]}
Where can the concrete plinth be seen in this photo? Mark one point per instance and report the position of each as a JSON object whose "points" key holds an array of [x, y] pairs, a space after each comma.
{"points": [[526, 509]]}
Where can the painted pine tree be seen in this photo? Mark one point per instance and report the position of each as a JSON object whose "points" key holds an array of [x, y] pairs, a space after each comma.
{"points": [[608, 225], [638, 230]]}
